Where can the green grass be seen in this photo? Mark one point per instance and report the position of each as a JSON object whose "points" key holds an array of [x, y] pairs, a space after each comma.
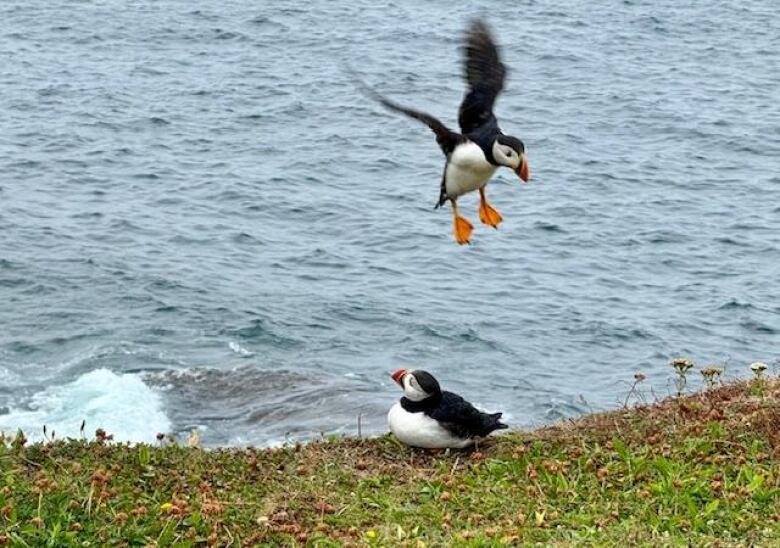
{"points": [[704, 469]]}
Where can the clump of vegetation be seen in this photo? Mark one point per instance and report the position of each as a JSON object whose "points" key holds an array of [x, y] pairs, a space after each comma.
{"points": [[681, 367], [759, 369], [711, 374], [701, 469]]}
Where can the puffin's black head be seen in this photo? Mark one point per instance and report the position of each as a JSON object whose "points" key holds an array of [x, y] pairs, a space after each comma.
{"points": [[510, 152], [417, 384]]}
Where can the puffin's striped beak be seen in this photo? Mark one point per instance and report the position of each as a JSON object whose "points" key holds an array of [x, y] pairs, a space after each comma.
{"points": [[398, 376], [523, 171]]}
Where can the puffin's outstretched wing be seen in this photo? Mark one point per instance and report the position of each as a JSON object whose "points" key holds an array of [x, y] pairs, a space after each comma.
{"points": [[446, 138], [485, 74], [463, 419]]}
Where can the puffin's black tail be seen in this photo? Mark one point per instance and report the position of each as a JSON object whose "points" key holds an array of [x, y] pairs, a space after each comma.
{"points": [[493, 422], [442, 190]]}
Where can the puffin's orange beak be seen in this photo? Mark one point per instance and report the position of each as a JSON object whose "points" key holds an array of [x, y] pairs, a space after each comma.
{"points": [[398, 376], [524, 171]]}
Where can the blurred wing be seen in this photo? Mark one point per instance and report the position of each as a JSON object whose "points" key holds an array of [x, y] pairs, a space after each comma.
{"points": [[485, 74], [445, 138]]}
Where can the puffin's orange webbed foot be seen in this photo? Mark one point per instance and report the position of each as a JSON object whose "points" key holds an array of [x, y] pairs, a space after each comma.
{"points": [[462, 228], [487, 213]]}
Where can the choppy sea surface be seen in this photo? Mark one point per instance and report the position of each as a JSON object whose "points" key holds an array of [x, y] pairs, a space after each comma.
{"points": [[204, 225]]}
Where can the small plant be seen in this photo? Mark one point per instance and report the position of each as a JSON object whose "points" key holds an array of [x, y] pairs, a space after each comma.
{"points": [[711, 374], [638, 377], [758, 369], [193, 440], [681, 366]]}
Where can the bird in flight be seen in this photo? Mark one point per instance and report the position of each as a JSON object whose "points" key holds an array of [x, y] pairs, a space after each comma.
{"points": [[474, 154]]}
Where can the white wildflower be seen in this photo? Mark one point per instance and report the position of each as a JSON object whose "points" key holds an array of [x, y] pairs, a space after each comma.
{"points": [[758, 368]]}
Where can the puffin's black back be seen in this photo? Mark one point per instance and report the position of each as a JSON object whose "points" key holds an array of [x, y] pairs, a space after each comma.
{"points": [[453, 412], [463, 419]]}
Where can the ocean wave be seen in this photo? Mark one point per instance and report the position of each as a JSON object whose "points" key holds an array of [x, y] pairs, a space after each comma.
{"points": [[121, 404]]}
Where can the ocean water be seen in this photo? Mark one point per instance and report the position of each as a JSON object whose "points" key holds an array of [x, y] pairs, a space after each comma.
{"points": [[204, 225]]}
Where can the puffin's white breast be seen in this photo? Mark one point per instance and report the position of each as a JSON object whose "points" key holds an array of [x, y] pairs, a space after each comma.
{"points": [[419, 430], [467, 170]]}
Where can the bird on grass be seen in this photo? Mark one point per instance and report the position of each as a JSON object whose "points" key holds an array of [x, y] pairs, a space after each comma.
{"points": [[474, 154], [430, 418]]}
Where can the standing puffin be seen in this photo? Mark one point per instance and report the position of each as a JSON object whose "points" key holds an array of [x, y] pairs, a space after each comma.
{"points": [[430, 418], [474, 154]]}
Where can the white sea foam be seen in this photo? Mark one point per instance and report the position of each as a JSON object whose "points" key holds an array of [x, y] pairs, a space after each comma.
{"points": [[121, 404], [240, 350]]}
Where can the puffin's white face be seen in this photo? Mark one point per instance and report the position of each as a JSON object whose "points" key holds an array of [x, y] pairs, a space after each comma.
{"points": [[506, 155], [412, 389]]}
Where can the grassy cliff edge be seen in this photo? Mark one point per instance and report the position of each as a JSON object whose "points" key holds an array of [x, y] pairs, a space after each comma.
{"points": [[701, 469]]}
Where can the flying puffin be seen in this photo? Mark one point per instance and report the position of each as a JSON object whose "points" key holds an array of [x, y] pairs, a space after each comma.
{"points": [[431, 418], [474, 154]]}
